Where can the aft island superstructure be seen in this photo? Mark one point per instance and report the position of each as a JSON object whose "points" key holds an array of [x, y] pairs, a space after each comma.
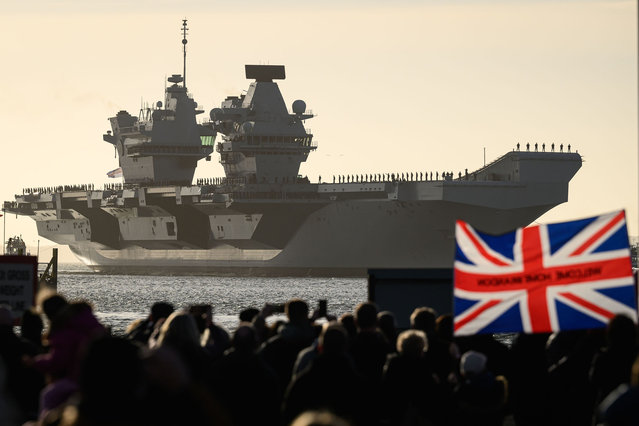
{"points": [[263, 218]]}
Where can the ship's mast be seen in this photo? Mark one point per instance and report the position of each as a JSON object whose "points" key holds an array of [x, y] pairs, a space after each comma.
{"points": [[184, 41]]}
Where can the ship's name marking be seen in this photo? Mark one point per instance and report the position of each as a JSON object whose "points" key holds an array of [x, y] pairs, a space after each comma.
{"points": [[569, 274]]}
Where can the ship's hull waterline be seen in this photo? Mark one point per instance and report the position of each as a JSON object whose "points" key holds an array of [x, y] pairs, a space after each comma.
{"points": [[320, 230], [263, 217], [339, 240]]}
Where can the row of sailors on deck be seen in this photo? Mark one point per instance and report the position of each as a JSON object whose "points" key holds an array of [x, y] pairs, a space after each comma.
{"points": [[392, 177], [362, 178], [380, 177], [113, 186], [60, 188], [211, 181], [228, 180], [543, 147]]}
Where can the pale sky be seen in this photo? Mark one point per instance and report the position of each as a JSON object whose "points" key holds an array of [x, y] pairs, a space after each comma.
{"points": [[397, 87]]}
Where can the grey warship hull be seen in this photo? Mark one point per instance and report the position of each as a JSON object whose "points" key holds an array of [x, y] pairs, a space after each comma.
{"points": [[262, 217], [299, 229]]}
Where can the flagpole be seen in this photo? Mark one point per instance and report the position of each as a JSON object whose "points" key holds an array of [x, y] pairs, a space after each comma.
{"points": [[4, 231]]}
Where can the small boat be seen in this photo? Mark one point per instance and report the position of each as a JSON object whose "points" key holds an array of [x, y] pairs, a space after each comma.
{"points": [[15, 246]]}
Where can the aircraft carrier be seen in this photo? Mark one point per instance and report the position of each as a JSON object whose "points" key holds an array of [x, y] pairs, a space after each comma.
{"points": [[263, 218]]}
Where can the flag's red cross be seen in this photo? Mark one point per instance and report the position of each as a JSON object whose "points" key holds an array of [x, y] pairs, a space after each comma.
{"points": [[535, 278]]}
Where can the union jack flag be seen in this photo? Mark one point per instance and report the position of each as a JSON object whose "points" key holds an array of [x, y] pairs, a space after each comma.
{"points": [[543, 278], [115, 173]]}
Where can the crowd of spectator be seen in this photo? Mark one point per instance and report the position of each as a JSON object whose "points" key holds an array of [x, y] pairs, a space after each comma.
{"points": [[177, 367]]}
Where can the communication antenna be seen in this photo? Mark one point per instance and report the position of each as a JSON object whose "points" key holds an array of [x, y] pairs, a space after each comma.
{"points": [[184, 41], [4, 231]]}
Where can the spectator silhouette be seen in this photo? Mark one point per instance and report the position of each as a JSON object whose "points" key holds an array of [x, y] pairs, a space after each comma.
{"points": [[112, 384], [388, 327], [369, 347], [411, 389], [52, 305], [480, 399], [178, 383], [570, 392], [438, 354], [242, 379], [214, 338], [331, 383], [444, 329], [23, 384], [9, 414], [179, 334], [73, 327], [347, 321], [142, 330], [495, 351], [248, 314], [612, 365], [306, 356], [620, 407], [31, 328], [180, 369], [280, 351], [528, 379]]}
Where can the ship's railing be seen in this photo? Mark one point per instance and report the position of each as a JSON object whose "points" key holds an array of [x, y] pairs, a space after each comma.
{"points": [[307, 112], [260, 139], [559, 152], [267, 140], [58, 188], [168, 149], [342, 178], [221, 181], [487, 166], [415, 176], [422, 176], [353, 178]]}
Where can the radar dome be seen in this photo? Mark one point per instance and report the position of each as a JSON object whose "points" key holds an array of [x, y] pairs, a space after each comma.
{"points": [[299, 107], [176, 78], [215, 112], [247, 127]]}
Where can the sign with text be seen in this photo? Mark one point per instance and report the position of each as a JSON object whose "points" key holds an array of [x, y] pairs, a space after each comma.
{"points": [[18, 282]]}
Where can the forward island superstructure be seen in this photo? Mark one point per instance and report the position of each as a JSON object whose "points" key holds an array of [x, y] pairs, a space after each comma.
{"points": [[263, 218]]}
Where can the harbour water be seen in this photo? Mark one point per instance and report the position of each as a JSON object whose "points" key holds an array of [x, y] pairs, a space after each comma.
{"points": [[120, 299]]}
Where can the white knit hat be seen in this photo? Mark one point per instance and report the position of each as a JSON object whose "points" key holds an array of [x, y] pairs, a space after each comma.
{"points": [[472, 362]]}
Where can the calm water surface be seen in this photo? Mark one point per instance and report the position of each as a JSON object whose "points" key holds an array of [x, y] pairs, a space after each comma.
{"points": [[120, 299]]}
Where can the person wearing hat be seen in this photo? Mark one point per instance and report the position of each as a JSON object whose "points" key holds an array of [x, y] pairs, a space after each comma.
{"points": [[480, 397]]}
